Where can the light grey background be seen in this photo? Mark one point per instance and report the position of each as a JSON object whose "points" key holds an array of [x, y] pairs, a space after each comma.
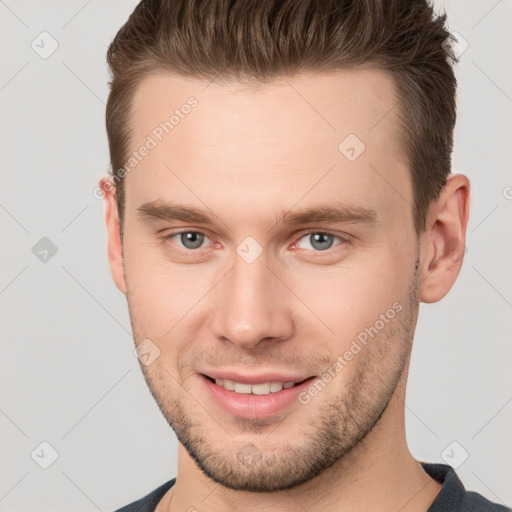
{"points": [[68, 375]]}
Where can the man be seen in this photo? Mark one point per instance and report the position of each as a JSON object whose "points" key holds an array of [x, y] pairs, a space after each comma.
{"points": [[280, 203]]}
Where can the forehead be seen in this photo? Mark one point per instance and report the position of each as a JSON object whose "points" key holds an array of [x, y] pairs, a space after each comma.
{"points": [[326, 103], [312, 134]]}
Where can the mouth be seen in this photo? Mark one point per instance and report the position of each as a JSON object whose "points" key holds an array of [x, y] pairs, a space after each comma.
{"points": [[262, 388], [254, 400]]}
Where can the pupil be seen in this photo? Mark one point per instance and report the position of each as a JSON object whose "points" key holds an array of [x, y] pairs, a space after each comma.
{"points": [[191, 240], [321, 241]]}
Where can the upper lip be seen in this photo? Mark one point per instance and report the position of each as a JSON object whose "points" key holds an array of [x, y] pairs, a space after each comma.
{"points": [[245, 378]]}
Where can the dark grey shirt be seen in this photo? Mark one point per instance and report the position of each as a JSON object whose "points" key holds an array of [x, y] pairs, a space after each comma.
{"points": [[451, 498]]}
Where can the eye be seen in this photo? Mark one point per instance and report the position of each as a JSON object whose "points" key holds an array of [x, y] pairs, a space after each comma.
{"points": [[319, 241], [188, 239]]}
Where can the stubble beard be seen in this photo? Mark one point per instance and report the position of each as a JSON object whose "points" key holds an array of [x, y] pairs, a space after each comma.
{"points": [[329, 429]]}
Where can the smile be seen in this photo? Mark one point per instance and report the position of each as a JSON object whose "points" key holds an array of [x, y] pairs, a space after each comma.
{"points": [[263, 388]]}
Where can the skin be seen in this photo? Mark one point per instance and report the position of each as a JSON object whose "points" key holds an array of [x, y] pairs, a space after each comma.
{"points": [[245, 154]]}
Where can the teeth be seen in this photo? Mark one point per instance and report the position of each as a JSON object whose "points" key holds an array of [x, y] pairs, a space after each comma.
{"points": [[261, 389], [242, 388], [264, 388], [276, 386], [227, 384]]}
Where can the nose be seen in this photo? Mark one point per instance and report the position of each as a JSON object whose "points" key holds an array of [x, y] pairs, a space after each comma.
{"points": [[253, 305]]}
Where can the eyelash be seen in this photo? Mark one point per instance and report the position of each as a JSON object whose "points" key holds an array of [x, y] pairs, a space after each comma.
{"points": [[342, 240]]}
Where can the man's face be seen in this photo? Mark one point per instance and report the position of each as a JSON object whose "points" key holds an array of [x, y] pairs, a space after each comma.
{"points": [[252, 294]]}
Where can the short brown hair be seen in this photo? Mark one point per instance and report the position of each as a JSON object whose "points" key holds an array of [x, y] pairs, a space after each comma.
{"points": [[243, 41]]}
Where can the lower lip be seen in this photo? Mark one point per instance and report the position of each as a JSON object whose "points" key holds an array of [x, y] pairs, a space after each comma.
{"points": [[251, 406]]}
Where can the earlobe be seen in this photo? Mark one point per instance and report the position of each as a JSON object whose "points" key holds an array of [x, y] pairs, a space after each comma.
{"points": [[115, 246], [443, 243]]}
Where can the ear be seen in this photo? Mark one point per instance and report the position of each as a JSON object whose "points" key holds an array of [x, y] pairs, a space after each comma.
{"points": [[115, 246], [443, 243]]}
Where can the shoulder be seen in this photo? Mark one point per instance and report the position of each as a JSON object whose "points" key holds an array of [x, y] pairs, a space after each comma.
{"points": [[150, 501], [453, 497], [474, 502]]}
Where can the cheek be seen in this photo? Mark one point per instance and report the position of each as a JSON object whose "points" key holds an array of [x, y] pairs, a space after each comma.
{"points": [[162, 296], [331, 303], [342, 302]]}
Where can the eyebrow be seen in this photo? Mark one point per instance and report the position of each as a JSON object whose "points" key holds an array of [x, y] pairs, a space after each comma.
{"points": [[330, 213]]}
